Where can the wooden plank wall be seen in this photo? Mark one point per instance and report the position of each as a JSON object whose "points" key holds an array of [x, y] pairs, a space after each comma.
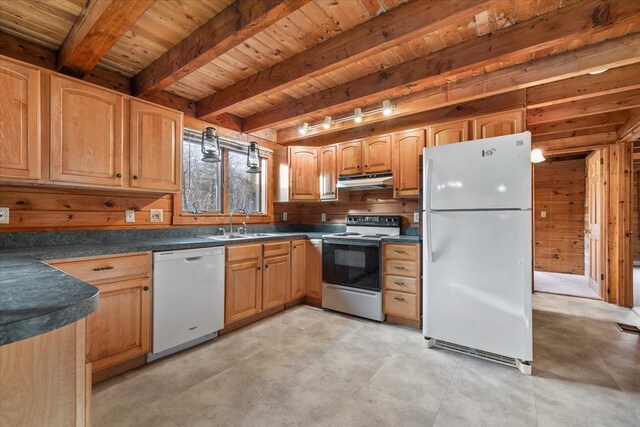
{"points": [[560, 191], [635, 217], [42, 208], [358, 202]]}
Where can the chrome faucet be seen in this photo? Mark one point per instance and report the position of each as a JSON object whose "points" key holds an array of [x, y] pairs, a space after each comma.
{"points": [[244, 211]]}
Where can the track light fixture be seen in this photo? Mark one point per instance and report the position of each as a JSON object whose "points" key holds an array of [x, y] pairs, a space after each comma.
{"points": [[357, 116]]}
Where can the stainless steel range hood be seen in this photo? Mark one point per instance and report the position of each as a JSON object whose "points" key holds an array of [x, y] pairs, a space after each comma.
{"points": [[366, 182]]}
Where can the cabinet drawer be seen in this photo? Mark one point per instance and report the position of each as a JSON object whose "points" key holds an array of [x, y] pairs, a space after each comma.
{"points": [[402, 284], [401, 304], [276, 249], [100, 270], [243, 252], [401, 251], [401, 268]]}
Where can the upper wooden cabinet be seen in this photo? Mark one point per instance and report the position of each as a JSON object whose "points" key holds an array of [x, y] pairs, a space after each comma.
{"points": [[448, 133], [156, 147], [19, 122], [498, 124], [350, 158], [303, 173], [87, 142], [377, 154], [328, 163], [407, 149]]}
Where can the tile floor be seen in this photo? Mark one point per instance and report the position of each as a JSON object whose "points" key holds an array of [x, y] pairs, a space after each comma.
{"points": [[563, 284], [310, 367]]}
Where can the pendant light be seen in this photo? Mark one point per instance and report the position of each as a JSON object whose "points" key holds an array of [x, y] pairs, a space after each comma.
{"points": [[253, 158], [210, 146], [537, 156]]}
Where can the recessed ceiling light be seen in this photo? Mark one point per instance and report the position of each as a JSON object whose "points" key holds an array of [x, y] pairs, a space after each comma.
{"points": [[594, 72]]}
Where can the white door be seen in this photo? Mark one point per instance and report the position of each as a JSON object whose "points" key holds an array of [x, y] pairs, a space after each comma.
{"points": [[477, 286], [492, 173]]}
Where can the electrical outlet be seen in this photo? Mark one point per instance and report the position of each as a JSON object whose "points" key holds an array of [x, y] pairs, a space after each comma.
{"points": [[323, 217], [416, 217], [155, 215], [543, 214], [4, 215], [284, 216], [129, 215]]}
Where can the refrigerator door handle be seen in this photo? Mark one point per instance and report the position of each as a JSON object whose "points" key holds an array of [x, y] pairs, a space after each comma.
{"points": [[427, 204]]}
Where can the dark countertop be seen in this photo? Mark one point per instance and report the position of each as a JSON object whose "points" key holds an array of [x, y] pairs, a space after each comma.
{"points": [[36, 298]]}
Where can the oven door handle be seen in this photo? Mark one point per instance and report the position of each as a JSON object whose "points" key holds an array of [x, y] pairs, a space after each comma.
{"points": [[350, 290], [350, 243]]}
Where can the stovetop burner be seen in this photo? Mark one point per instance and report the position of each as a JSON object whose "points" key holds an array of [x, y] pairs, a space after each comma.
{"points": [[369, 227]]}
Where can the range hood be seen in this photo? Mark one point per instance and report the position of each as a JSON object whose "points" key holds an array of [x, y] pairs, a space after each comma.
{"points": [[366, 182]]}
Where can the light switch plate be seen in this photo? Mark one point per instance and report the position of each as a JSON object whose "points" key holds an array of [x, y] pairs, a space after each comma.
{"points": [[416, 217], [129, 215], [284, 216], [4, 215], [543, 214], [323, 217], [155, 215]]}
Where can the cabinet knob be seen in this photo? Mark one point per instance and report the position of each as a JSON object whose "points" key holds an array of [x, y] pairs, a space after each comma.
{"points": [[366, 166], [118, 175], [358, 166], [396, 188], [259, 268], [135, 176], [146, 288], [266, 266]]}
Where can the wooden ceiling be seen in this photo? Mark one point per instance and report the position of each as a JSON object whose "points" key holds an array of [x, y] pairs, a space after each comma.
{"points": [[256, 65]]}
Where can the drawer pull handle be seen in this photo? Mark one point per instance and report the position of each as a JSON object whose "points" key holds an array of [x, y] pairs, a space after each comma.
{"points": [[146, 288], [399, 268], [102, 268], [399, 251], [398, 299], [400, 283]]}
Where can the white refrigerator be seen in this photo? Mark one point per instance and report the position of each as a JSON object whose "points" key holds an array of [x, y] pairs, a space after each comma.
{"points": [[477, 248]]}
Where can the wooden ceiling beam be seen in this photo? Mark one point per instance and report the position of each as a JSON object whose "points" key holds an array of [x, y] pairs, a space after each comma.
{"points": [[611, 54], [399, 25], [607, 128], [579, 123], [238, 22], [576, 144], [585, 86], [578, 19], [97, 29], [584, 107], [494, 104], [630, 130]]}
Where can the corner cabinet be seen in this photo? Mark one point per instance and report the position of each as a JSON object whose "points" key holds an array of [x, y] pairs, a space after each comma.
{"points": [[298, 268], [20, 115], [156, 147], [304, 173], [87, 140], [407, 149], [350, 158], [376, 154], [314, 269]]}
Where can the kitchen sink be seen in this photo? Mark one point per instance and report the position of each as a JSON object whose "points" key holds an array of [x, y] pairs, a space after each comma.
{"points": [[227, 237], [261, 235]]}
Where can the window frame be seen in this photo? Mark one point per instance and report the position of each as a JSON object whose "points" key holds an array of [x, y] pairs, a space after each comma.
{"points": [[181, 217]]}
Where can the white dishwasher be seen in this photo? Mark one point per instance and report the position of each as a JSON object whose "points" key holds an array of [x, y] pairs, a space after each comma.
{"points": [[188, 299]]}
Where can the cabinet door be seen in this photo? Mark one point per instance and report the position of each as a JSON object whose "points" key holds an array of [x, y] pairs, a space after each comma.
{"points": [[298, 268], [19, 122], [314, 268], [350, 158], [377, 154], [407, 149], [498, 124], [156, 147], [328, 172], [119, 329], [276, 281], [448, 133], [243, 290], [304, 173], [87, 142]]}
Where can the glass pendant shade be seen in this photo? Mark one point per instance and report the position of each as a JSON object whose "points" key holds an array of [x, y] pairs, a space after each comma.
{"points": [[253, 158], [210, 146], [537, 156]]}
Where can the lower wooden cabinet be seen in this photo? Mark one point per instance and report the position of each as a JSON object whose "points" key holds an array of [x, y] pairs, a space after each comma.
{"points": [[243, 282], [314, 268], [401, 283], [298, 268], [276, 281], [120, 329]]}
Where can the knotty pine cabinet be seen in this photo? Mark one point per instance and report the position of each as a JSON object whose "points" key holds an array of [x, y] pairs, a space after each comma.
{"points": [[448, 133], [406, 154], [303, 173], [20, 116], [376, 154], [314, 269], [498, 124], [120, 329], [243, 282], [87, 134], [298, 268], [401, 283], [350, 158], [328, 163], [276, 286]]}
